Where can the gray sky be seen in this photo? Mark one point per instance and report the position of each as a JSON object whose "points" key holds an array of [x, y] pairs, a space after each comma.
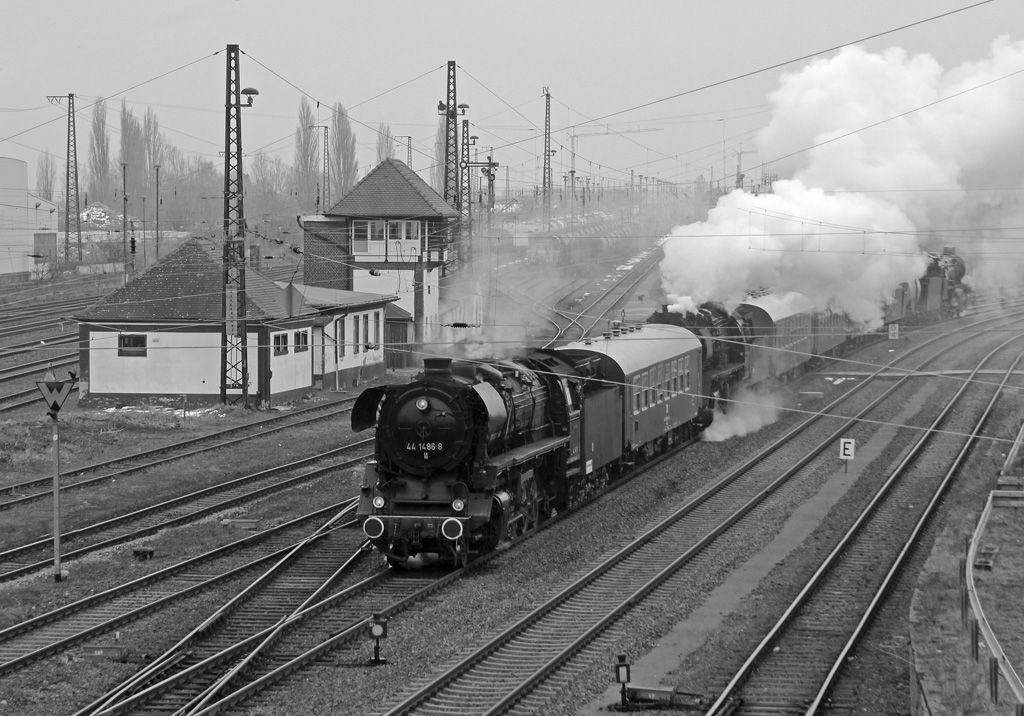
{"points": [[385, 61]]}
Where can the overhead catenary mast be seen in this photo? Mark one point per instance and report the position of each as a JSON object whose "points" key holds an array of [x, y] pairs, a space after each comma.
{"points": [[234, 384], [72, 211]]}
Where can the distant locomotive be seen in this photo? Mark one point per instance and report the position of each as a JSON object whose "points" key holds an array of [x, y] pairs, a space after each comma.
{"points": [[472, 454]]}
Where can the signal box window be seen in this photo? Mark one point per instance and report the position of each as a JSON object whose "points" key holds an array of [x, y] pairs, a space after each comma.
{"points": [[130, 344], [280, 343], [301, 341]]}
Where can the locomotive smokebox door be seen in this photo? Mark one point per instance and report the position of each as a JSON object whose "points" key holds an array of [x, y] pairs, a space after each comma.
{"points": [[364, 412]]}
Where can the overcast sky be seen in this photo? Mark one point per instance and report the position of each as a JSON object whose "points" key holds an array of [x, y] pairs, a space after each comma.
{"points": [[617, 62]]}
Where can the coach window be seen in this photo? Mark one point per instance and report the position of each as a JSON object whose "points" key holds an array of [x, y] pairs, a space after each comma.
{"points": [[280, 343], [661, 383], [636, 394], [131, 344], [301, 341], [686, 374], [648, 397], [675, 375]]}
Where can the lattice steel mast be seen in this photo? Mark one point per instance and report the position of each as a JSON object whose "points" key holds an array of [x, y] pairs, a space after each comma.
{"points": [[234, 385], [547, 160], [327, 173], [71, 206]]}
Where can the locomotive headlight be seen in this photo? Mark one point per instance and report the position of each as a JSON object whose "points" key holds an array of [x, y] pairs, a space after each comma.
{"points": [[378, 501], [422, 404], [458, 505]]}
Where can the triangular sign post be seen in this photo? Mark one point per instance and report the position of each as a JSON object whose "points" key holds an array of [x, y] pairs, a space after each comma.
{"points": [[54, 392]]}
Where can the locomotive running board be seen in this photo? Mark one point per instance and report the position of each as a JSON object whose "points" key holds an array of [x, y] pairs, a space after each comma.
{"points": [[525, 453]]}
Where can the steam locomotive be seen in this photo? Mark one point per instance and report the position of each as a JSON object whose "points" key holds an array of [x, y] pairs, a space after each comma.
{"points": [[472, 454]]}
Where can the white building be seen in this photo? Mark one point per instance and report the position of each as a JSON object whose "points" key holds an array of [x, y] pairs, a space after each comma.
{"points": [[160, 337], [29, 241]]}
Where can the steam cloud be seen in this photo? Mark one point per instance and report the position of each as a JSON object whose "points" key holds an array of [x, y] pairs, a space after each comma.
{"points": [[747, 414], [850, 223]]}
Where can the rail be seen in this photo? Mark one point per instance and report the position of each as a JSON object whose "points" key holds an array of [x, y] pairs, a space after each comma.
{"points": [[991, 642]]}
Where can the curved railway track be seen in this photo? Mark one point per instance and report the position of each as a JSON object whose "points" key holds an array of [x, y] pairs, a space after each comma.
{"points": [[59, 629], [524, 656], [795, 666]]}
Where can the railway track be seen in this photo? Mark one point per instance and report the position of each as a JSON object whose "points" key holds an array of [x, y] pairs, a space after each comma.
{"points": [[26, 559], [25, 491], [522, 663], [60, 629], [796, 665], [587, 620]]}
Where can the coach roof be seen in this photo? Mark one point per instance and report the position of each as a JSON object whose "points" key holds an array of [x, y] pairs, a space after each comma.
{"points": [[635, 352]]}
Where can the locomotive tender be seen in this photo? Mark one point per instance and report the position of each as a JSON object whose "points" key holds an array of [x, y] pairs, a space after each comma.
{"points": [[471, 454]]}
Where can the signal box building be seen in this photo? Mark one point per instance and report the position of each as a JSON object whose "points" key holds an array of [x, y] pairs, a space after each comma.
{"points": [[160, 336], [388, 235]]}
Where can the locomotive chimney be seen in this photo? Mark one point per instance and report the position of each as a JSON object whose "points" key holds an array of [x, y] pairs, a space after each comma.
{"points": [[437, 367], [664, 308]]}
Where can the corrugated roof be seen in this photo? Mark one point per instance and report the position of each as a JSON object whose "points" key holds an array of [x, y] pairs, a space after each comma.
{"points": [[392, 191]]}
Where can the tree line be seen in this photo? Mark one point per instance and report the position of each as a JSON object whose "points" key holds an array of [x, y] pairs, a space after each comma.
{"points": [[192, 186]]}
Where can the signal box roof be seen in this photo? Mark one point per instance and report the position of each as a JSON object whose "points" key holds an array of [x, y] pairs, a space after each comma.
{"points": [[392, 191]]}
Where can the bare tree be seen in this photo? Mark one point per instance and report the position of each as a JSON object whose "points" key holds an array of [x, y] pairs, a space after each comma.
{"points": [[154, 144], [344, 166], [133, 153], [307, 158], [46, 175], [385, 143], [437, 170], [101, 178]]}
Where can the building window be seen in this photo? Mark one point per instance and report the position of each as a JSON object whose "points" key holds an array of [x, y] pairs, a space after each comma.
{"points": [[355, 334], [366, 329], [340, 345], [301, 341], [131, 344], [377, 231], [280, 343], [376, 327], [395, 230], [360, 235]]}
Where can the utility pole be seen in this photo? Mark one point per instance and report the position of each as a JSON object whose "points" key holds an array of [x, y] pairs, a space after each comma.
{"points": [[466, 199], [408, 146], [546, 180], [124, 218], [234, 361], [71, 207], [327, 172], [157, 167]]}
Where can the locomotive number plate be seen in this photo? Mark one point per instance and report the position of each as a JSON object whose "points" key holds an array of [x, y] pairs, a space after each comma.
{"points": [[424, 447]]}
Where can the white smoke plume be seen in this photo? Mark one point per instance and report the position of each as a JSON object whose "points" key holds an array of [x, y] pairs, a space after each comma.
{"points": [[747, 414], [856, 212]]}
